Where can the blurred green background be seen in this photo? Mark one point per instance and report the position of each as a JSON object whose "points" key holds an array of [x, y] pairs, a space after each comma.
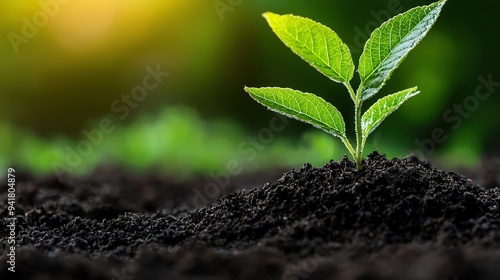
{"points": [[65, 66]]}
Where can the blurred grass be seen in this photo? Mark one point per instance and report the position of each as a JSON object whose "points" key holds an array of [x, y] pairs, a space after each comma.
{"points": [[178, 142]]}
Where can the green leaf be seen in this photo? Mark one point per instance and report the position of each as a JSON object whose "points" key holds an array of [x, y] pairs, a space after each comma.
{"points": [[383, 108], [315, 43], [390, 43], [302, 106]]}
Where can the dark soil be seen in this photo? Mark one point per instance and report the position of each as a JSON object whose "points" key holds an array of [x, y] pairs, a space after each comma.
{"points": [[395, 219]]}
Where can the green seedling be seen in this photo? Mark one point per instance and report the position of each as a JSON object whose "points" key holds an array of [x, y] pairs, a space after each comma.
{"points": [[322, 48]]}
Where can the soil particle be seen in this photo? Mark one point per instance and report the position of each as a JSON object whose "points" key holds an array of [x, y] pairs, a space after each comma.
{"points": [[394, 219]]}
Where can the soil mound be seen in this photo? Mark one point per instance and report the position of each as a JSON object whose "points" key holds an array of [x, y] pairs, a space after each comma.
{"points": [[332, 222]]}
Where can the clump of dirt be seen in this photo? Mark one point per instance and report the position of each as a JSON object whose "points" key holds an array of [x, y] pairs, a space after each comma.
{"points": [[312, 223]]}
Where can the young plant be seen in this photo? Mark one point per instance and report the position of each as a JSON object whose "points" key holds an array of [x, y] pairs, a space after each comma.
{"points": [[322, 48]]}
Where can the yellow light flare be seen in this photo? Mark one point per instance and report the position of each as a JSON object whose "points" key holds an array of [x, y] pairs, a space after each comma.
{"points": [[82, 24]]}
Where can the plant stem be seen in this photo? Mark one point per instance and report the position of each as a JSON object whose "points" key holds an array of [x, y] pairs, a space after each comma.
{"points": [[358, 154], [359, 135], [349, 147], [351, 92]]}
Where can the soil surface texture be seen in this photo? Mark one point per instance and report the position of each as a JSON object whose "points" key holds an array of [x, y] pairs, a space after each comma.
{"points": [[394, 219]]}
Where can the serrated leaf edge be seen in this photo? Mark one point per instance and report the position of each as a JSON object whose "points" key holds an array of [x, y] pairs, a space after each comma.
{"points": [[375, 90]]}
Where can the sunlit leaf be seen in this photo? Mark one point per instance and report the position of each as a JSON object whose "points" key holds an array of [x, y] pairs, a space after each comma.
{"points": [[305, 107], [390, 43], [315, 43], [383, 108]]}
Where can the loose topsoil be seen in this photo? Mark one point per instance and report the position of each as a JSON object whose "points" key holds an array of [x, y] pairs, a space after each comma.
{"points": [[394, 219]]}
